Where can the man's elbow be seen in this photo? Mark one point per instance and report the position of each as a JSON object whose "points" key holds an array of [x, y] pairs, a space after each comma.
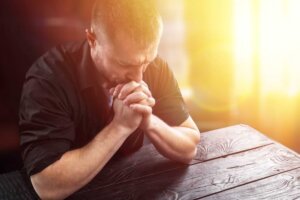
{"points": [[197, 137], [193, 152], [43, 190], [186, 159]]}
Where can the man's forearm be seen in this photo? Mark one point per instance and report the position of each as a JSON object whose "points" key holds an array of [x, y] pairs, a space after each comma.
{"points": [[77, 167], [176, 143]]}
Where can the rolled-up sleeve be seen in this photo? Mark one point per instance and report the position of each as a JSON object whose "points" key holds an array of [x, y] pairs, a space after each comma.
{"points": [[170, 106], [46, 126]]}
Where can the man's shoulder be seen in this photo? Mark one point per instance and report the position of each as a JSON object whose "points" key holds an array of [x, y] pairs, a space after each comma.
{"points": [[158, 67], [158, 62], [57, 60], [157, 74]]}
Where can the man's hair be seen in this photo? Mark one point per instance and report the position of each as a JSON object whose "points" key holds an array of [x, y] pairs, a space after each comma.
{"points": [[137, 18]]}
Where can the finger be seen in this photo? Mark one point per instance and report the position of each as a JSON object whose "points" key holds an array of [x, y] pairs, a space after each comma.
{"points": [[144, 83], [135, 97], [117, 90], [143, 109], [145, 89], [127, 89], [142, 87], [148, 102], [151, 101], [111, 91]]}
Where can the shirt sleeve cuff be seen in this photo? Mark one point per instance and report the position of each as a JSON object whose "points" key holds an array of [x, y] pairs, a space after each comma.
{"points": [[39, 156]]}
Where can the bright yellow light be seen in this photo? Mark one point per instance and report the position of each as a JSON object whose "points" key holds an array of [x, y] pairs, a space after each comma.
{"points": [[279, 50], [269, 30], [278, 44], [243, 35]]}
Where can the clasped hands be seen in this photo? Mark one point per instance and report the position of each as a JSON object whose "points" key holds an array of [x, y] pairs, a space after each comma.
{"points": [[132, 105]]}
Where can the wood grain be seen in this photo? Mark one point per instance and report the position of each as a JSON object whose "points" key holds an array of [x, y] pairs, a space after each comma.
{"points": [[228, 159], [147, 161], [204, 178], [281, 186], [230, 140]]}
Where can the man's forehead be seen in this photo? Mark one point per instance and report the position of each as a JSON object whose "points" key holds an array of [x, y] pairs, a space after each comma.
{"points": [[133, 55], [138, 59]]}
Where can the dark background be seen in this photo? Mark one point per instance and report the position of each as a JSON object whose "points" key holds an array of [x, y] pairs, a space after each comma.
{"points": [[28, 29]]}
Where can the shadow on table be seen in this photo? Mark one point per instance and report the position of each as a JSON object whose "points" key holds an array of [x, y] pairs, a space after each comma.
{"points": [[140, 181]]}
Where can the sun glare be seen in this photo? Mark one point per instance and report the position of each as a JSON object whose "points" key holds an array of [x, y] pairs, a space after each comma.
{"points": [[267, 55], [243, 35], [278, 45]]}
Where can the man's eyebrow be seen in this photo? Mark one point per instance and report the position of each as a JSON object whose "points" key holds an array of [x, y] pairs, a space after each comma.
{"points": [[129, 64], [122, 62]]}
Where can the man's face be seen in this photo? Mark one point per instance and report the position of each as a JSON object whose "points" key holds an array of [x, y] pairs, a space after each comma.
{"points": [[122, 60]]}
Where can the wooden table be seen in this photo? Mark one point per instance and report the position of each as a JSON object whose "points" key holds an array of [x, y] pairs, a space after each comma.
{"points": [[236, 162]]}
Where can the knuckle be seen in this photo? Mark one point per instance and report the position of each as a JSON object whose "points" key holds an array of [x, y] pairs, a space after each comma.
{"points": [[152, 101], [138, 95], [139, 88], [142, 94], [134, 84], [145, 87], [144, 84]]}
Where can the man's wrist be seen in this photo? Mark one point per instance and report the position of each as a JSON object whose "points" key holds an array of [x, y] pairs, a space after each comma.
{"points": [[152, 123], [120, 129]]}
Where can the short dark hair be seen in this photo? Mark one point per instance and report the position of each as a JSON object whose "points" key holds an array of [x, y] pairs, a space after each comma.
{"points": [[139, 18]]}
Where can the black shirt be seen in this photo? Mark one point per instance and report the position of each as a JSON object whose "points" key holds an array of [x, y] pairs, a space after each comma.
{"points": [[63, 105]]}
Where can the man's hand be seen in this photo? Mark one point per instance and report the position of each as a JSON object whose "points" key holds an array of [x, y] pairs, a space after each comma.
{"points": [[138, 97], [125, 117]]}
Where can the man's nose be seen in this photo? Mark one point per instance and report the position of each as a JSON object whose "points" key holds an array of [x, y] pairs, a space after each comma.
{"points": [[136, 75]]}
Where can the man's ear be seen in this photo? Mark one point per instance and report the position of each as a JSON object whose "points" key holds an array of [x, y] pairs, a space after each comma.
{"points": [[91, 37]]}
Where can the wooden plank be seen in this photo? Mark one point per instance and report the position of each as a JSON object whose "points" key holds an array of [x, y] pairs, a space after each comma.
{"points": [[281, 186], [203, 179], [148, 161], [230, 140]]}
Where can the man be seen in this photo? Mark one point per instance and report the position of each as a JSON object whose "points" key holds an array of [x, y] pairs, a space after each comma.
{"points": [[85, 102]]}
